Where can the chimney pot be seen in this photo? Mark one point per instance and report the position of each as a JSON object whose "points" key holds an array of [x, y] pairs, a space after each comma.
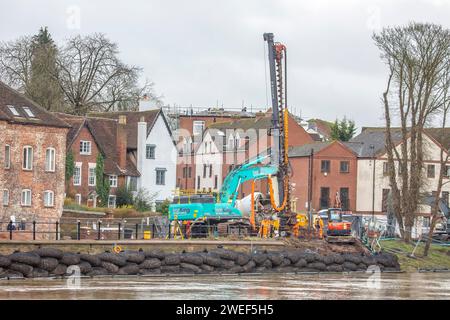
{"points": [[142, 119], [122, 119]]}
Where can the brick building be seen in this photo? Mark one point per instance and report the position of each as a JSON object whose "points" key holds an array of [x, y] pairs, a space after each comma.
{"points": [[87, 138], [32, 159], [334, 175]]}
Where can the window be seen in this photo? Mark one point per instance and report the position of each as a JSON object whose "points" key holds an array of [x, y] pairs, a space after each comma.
{"points": [[325, 166], [7, 157], [426, 222], [26, 198], [14, 111], [113, 181], [78, 198], [345, 166], [447, 172], [198, 182], [324, 198], [50, 160], [430, 171], [215, 181], [210, 170], [189, 172], [197, 127], [184, 172], [204, 171], [161, 176], [445, 197], [77, 174], [230, 142], [28, 112], [111, 201], [5, 197], [85, 147], [132, 183], [150, 151], [27, 163], [385, 168], [91, 175], [49, 198]]}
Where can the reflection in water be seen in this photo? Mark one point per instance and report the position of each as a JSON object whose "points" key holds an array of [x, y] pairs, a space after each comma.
{"points": [[272, 286]]}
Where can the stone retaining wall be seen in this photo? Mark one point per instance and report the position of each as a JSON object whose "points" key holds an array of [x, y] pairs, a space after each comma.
{"points": [[50, 262]]}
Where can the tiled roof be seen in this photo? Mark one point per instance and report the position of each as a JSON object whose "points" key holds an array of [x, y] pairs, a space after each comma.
{"points": [[244, 124], [305, 150], [371, 141], [104, 132], [133, 117], [41, 117]]}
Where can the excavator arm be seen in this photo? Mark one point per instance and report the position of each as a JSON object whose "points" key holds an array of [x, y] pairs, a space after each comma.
{"points": [[253, 170]]}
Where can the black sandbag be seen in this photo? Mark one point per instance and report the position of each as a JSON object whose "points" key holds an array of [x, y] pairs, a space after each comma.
{"points": [[213, 261], [60, 270], [70, 259], [242, 259], [170, 269], [93, 260], [110, 267], [225, 254], [98, 271], [285, 269], [310, 257], [259, 258], [49, 252], [85, 267], [113, 258], [350, 266], [49, 264], [29, 258], [190, 267], [24, 269], [134, 257], [368, 260], [207, 268], [249, 266], [5, 262], [301, 263], [228, 264], [320, 266], [338, 259], [150, 263], [129, 269], [39, 273], [192, 258], [294, 256], [158, 254], [267, 264], [362, 266], [276, 258], [236, 269], [328, 260], [286, 262], [354, 258], [335, 268], [172, 259], [11, 274]]}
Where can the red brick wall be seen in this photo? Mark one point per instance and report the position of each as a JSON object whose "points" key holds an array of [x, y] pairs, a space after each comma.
{"points": [[37, 180], [334, 180]]}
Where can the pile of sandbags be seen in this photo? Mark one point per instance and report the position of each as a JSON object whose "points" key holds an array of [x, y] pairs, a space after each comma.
{"points": [[50, 262]]}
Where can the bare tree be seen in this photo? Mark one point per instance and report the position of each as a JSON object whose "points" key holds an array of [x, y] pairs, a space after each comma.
{"points": [[416, 55]]}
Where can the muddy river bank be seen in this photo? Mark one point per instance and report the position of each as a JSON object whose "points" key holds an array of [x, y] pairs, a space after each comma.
{"points": [[263, 286]]}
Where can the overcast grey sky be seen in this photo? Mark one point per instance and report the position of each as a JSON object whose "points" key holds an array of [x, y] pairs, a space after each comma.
{"points": [[201, 52]]}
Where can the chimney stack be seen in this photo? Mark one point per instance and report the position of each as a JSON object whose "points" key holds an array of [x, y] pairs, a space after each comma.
{"points": [[122, 141]]}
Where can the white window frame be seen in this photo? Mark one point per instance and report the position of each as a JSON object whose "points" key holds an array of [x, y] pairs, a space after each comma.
{"points": [[13, 110], [28, 203], [49, 204], [29, 159], [163, 182], [29, 112], [92, 177], [77, 198], [50, 163], [5, 194], [84, 143], [113, 180], [148, 154], [80, 166], [7, 164], [112, 196]]}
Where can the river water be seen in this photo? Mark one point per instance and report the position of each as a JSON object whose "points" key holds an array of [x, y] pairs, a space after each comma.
{"points": [[272, 286]]}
